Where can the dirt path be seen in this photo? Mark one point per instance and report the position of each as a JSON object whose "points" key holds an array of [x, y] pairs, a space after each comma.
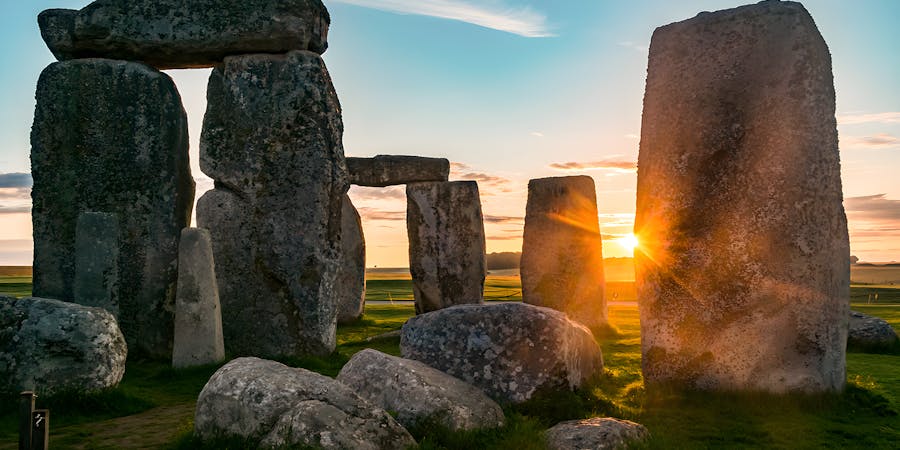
{"points": [[149, 429]]}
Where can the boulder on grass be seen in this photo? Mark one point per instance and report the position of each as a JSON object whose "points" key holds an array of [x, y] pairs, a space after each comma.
{"points": [[418, 393], [596, 433], [870, 332], [277, 405], [509, 350], [50, 346]]}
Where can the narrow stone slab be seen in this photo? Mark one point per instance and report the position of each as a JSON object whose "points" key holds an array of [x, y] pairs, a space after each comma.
{"points": [[198, 316], [446, 244], [389, 170], [562, 254], [350, 286], [176, 34], [743, 270], [272, 142], [97, 261], [112, 136]]}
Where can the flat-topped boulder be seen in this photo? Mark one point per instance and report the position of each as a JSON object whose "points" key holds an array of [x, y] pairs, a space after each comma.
{"points": [[176, 34], [274, 405], [389, 170], [870, 333], [562, 254], [597, 433], [743, 272], [50, 346], [417, 393], [510, 350], [111, 136]]}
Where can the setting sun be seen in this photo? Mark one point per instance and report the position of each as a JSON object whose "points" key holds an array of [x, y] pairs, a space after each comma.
{"points": [[629, 242]]}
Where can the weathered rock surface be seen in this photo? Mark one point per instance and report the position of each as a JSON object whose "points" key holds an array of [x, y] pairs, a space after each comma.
{"points": [[97, 245], [739, 206], [415, 392], [562, 254], [173, 34], [350, 286], [272, 142], [509, 350], [198, 316], [49, 346], [279, 405], [111, 136], [446, 244], [596, 433], [389, 170], [870, 332]]}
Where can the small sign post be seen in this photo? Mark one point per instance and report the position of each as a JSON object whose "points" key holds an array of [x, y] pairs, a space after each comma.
{"points": [[26, 408], [40, 429]]}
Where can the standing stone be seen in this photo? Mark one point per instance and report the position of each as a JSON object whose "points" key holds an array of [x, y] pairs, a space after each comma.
{"points": [[112, 136], [389, 170], [272, 142], [198, 317], [177, 34], [446, 244], [562, 255], [350, 286], [742, 273], [96, 261]]}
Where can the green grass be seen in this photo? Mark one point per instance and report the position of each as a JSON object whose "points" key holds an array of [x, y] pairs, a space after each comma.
{"points": [[153, 406]]}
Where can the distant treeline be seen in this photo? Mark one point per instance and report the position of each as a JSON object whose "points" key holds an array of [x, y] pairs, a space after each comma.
{"points": [[503, 260]]}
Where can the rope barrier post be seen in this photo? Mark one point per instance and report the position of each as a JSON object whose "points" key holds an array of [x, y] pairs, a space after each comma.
{"points": [[26, 408]]}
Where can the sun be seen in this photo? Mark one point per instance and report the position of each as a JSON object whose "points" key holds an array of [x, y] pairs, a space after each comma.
{"points": [[629, 242]]}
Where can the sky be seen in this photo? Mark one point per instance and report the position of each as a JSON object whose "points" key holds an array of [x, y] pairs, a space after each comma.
{"points": [[508, 90]]}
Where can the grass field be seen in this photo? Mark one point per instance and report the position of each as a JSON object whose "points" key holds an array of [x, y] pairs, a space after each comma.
{"points": [[153, 406]]}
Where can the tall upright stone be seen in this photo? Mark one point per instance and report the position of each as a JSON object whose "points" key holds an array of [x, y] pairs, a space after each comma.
{"points": [[562, 254], [112, 136], [97, 261], [198, 316], [446, 244], [350, 287], [272, 142], [742, 273]]}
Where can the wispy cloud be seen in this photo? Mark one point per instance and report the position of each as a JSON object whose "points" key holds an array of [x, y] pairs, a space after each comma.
{"points": [[15, 180], [880, 140], [858, 118], [369, 213], [537, 134], [617, 165], [377, 193], [488, 185], [642, 48], [14, 209], [522, 21], [503, 219], [873, 208]]}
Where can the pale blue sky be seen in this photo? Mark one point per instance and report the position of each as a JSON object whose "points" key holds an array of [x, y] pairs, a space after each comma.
{"points": [[510, 88]]}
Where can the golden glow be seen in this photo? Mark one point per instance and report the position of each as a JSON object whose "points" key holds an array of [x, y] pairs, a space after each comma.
{"points": [[629, 242]]}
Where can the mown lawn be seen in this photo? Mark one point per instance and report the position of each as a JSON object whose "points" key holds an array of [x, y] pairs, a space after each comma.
{"points": [[153, 406]]}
